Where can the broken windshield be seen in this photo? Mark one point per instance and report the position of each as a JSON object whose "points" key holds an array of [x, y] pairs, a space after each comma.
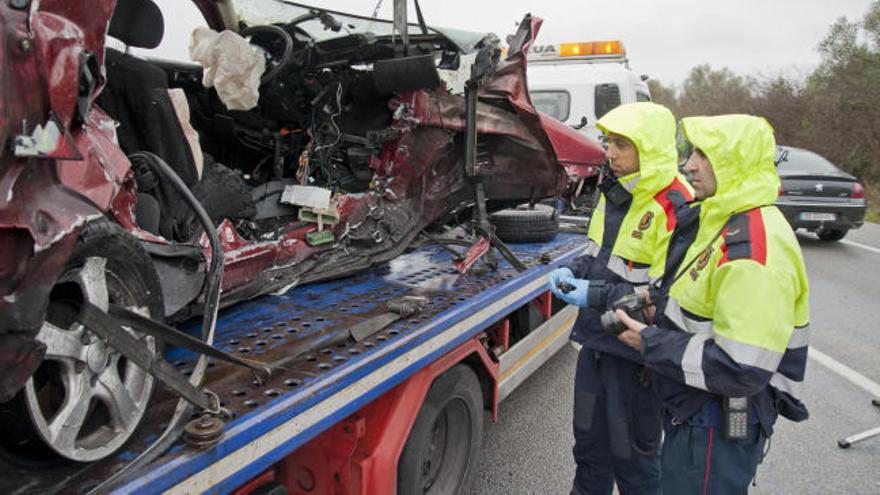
{"points": [[322, 24]]}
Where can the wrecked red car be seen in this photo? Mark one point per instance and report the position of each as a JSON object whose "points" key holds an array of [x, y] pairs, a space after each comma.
{"points": [[352, 146]]}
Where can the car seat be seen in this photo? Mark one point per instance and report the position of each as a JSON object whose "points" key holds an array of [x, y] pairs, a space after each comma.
{"points": [[136, 96]]}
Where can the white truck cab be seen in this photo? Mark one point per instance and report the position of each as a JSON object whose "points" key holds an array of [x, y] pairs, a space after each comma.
{"points": [[583, 80]]}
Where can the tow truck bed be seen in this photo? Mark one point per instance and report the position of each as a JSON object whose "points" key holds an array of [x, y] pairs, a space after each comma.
{"points": [[320, 389]]}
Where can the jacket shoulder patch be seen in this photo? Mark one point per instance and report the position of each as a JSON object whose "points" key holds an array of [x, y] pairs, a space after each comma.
{"points": [[670, 199], [744, 238]]}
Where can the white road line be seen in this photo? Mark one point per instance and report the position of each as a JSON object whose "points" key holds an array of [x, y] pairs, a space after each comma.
{"points": [[863, 246], [846, 372]]}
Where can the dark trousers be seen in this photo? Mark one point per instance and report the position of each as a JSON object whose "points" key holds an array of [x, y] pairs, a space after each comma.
{"points": [[698, 460], [616, 427]]}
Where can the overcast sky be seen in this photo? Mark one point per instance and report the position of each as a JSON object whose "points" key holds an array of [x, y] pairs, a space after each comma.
{"points": [[664, 39]]}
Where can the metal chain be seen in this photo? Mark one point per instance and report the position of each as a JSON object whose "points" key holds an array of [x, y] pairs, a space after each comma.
{"points": [[376, 10]]}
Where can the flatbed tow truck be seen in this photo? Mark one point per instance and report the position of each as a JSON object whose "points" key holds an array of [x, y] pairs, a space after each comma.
{"points": [[401, 410]]}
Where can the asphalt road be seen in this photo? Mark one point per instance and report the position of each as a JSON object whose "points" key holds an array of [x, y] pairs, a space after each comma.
{"points": [[529, 449]]}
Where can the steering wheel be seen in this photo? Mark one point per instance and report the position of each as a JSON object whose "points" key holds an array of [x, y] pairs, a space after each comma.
{"points": [[266, 38]]}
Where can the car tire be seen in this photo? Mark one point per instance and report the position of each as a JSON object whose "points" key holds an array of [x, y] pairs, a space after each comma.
{"points": [[440, 454], [80, 372], [831, 235], [524, 224]]}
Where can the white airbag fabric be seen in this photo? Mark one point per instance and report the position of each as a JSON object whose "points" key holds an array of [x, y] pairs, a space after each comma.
{"points": [[232, 66]]}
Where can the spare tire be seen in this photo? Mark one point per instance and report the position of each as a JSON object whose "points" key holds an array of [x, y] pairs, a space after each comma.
{"points": [[523, 224]]}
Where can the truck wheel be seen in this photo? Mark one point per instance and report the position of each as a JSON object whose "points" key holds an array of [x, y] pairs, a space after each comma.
{"points": [[522, 225], [440, 455], [86, 399], [831, 235]]}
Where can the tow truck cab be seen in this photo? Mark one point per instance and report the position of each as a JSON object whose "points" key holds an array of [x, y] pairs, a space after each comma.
{"points": [[583, 80]]}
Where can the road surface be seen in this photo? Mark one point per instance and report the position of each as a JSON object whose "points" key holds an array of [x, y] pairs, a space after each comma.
{"points": [[529, 449]]}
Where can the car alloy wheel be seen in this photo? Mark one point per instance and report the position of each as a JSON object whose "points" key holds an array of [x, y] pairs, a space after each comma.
{"points": [[86, 400]]}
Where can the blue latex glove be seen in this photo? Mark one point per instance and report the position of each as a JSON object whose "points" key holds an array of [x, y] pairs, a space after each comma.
{"points": [[555, 276], [577, 296]]}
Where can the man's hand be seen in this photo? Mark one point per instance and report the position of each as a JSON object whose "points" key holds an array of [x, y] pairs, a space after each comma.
{"points": [[633, 335], [650, 310]]}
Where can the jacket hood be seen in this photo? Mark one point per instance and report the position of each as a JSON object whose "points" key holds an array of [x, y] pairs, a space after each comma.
{"points": [[741, 149], [651, 127]]}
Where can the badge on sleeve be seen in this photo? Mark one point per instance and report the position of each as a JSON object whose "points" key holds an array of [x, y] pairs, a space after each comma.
{"points": [[702, 261], [644, 224]]}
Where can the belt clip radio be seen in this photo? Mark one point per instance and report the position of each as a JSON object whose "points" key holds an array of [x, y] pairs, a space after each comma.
{"points": [[736, 418]]}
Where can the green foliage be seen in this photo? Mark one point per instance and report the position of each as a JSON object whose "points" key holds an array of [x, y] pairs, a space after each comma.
{"points": [[660, 93]]}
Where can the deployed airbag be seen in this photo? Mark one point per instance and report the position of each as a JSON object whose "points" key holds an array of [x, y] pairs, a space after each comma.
{"points": [[232, 66]]}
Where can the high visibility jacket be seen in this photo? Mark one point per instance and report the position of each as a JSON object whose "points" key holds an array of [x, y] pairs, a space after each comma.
{"points": [[626, 243], [736, 320]]}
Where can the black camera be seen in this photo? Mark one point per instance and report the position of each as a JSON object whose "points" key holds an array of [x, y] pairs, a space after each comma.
{"points": [[565, 287], [633, 304]]}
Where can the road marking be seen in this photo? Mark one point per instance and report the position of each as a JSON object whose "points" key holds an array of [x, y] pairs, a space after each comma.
{"points": [[863, 246], [851, 375]]}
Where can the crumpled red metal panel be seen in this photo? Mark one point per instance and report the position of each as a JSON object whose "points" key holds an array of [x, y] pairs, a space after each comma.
{"points": [[104, 166], [448, 111], [571, 146], [32, 199], [50, 200], [510, 83], [63, 31]]}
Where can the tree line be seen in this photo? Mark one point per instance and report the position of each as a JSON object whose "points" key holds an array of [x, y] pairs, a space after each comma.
{"points": [[835, 111]]}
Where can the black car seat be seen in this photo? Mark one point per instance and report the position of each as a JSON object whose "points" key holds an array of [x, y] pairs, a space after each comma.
{"points": [[136, 96]]}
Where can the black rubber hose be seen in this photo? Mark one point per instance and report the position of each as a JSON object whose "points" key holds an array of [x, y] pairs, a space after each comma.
{"points": [[209, 322]]}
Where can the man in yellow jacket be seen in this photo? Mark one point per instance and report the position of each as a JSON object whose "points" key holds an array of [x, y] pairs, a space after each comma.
{"points": [[729, 345], [616, 414]]}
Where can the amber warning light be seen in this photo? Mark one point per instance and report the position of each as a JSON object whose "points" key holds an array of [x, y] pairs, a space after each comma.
{"points": [[582, 49]]}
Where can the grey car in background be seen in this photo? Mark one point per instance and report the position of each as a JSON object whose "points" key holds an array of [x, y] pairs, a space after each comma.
{"points": [[817, 196]]}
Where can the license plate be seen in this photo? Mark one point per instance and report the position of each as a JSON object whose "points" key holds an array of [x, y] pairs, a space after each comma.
{"points": [[818, 217]]}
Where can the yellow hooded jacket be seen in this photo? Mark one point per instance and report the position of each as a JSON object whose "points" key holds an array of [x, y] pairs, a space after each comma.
{"points": [[645, 229], [742, 307], [628, 243]]}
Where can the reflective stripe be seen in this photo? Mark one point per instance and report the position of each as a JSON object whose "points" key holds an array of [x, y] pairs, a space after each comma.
{"points": [[703, 327], [785, 384], [749, 355], [692, 362], [592, 249], [620, 268], [673, 312], [800, 337]]}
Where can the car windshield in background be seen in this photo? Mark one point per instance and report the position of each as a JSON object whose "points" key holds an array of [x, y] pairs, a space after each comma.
{"points": [[802, 161], [553, 103], [322, 24]]}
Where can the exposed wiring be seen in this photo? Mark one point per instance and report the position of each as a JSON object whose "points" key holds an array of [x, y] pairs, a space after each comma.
{"points": [[333, 119], [319, 149]]}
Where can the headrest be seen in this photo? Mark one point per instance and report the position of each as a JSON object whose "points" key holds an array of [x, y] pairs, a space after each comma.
{"points": [[137, 23]]}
